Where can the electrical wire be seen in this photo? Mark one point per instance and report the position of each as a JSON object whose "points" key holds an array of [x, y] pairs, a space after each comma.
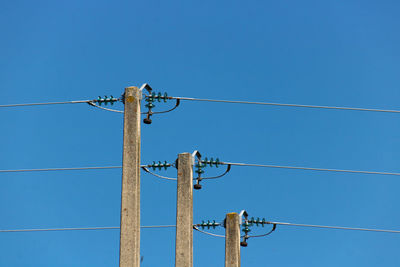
{"points": [[108, 109], [214, 100], [310, 168], [307, 225], [67, 169], [165, 111], [207, 233], [287, 105], [47, 103], [78, 229], [336, 227], [228, 168], [174, 179], [159, 176], [144, 167], [62, 169], [270, 232], [57, 229], [197, 229]]}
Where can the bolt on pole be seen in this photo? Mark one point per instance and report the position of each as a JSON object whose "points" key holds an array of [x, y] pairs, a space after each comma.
{"points": [[232, 240], [184, 212], [129, 254]]}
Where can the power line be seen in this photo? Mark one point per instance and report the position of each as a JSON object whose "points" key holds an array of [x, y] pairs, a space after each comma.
{"points": [[62, 169], [224, 163], [46, 103], [335, 227], [67, 169], [107, 109], [310, 168], [57, 229], [286, 105], [307, 225], [159, 176], [218, 101], [264, 235], [79, 229], [207, 233]]}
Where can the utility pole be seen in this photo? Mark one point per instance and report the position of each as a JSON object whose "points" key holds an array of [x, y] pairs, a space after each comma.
{"points": [[232, 240], [129, 253], [184, 212]]}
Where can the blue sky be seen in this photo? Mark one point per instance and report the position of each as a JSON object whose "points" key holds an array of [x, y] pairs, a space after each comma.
{"points": [[342, 53]]}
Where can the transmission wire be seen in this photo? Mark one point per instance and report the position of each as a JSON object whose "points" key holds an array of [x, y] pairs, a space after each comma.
{"points": [[310, 168], [286, 105], [46, 103], [335, 227], [220, 101], [223, 163], [62, 169], [76, 229], [207, 233]]}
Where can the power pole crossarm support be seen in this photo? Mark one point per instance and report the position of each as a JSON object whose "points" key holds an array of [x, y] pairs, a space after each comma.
{"points": [[129, 254], [232, 240], [184, 212]]}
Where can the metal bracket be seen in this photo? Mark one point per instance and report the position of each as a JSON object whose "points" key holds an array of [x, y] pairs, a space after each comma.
{"points": [[147, 120], [244, 214], [196, 154]]}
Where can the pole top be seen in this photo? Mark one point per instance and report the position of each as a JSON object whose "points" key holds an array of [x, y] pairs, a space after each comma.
{"points": [[232, 215]]}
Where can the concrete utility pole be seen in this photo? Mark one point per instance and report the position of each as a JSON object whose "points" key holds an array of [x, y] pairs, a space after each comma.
{"points": [[184, 212], [232, 240], [129, 252]]}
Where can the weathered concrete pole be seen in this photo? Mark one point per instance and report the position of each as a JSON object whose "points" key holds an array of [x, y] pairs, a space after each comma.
{"points": [[232, 240], [129, 253], [184, 212]]}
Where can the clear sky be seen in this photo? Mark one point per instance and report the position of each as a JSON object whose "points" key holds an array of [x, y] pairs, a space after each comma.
{"points": [[342, 53]]}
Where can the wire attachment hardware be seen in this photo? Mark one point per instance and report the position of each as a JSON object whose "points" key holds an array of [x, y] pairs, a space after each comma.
{"points": [[153, 97], [201, 164], [245, 230], [247, 223], [257, 221], [211, 162], [106, 100], [111, 100], [149, 99], [199, 170], [208, 224], [159, 165]]}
